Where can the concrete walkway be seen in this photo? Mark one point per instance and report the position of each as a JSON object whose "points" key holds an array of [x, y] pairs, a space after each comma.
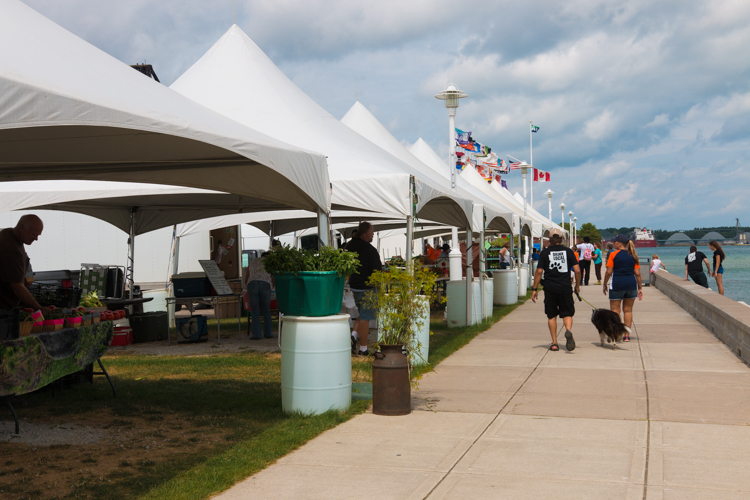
{"points": [[666, 416]]}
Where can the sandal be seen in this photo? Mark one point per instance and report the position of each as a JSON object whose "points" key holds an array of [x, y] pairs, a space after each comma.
{"points": [[554, 347], [626, 339]]}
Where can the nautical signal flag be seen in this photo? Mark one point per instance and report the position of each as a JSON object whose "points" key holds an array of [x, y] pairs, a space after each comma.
{"points": [[534, 129], [541, 175]]}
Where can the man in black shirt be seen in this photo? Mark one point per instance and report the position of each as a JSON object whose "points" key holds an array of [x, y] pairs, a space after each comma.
{"points": [[555, 263], [694, 266], [369, 262]]}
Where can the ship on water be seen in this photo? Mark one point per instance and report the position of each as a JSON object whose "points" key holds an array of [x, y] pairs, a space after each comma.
{"points": [[643, 238]]}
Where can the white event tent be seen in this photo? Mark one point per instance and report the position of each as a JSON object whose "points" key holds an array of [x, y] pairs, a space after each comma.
{"points": [[238, 80], [70, 111]]}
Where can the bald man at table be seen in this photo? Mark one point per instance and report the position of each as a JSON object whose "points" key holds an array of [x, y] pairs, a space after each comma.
{"points": [[14, 263]]}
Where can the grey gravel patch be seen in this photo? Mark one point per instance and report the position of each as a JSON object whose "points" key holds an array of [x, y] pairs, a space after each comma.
{"points": [[49, 434]]}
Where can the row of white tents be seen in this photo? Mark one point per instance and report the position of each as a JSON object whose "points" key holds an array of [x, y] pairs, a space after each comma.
{"points": [[233, 140]]}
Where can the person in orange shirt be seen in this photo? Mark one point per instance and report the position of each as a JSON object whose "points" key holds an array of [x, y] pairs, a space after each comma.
{"points": [[625, 271]]}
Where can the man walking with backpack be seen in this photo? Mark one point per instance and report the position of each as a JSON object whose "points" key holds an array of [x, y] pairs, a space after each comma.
{"points": [[586, 253]]}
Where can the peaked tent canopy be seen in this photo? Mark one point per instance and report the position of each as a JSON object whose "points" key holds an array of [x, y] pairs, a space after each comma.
{"points": [[359, 119], [238, 80], [70, 111]]}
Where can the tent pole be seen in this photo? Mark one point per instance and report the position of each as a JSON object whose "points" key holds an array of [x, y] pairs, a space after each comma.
{"points": [[410, 223], [131, 257], [482, 266], [324, 229], [270, 235], [469, 275], [175, 266]]}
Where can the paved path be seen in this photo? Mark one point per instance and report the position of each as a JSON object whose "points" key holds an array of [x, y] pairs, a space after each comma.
{"points": [[506, 418]]}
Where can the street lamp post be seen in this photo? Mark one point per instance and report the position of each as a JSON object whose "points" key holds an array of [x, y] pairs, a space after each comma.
{"points": [[451, 95], [524, 170], [549, 194], [570, 225], [562, 217], [575, 230]]}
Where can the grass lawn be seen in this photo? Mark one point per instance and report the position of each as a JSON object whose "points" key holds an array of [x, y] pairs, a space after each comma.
{"points": [[181, 427]]}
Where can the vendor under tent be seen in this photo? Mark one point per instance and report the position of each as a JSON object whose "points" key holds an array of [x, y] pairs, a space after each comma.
{"points": [[238, 80], [61, 119]]}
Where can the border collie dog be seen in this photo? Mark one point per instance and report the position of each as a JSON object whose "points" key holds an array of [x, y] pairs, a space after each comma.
{"points": [[609, 325]]}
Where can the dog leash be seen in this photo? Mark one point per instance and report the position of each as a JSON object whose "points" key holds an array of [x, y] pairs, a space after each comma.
{"points": [[584, 300]]}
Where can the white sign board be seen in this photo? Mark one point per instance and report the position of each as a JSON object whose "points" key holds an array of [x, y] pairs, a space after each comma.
{"points": [[213, 273]]}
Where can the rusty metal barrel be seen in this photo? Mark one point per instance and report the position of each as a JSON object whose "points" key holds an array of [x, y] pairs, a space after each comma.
{"points": [[391, 393]]}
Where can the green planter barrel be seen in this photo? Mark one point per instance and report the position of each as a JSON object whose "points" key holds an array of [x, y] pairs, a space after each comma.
{"points": [[309, 293]]}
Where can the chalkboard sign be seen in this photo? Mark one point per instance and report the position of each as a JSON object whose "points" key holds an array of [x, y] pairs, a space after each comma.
{"points": [[213, 273]]}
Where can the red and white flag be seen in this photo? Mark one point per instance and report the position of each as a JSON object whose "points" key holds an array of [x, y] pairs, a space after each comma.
{"points": [[541, 175]]}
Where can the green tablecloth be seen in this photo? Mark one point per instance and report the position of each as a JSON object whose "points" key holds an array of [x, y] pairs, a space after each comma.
{"points": [[29, 363]]}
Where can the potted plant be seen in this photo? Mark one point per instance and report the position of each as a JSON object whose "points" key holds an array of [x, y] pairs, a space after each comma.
{"points": [[310, 282], [402, 298]]}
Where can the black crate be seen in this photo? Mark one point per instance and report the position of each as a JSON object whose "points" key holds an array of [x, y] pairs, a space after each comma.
{"points": [[149, 326], [9, 322], [54, 295]]}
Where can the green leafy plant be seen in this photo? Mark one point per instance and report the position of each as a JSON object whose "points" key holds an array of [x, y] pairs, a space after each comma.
{"points": [[402, 298], [292, 260]]}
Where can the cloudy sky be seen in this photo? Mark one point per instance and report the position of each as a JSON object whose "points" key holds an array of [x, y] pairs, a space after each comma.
{"points": [[644, 106]]}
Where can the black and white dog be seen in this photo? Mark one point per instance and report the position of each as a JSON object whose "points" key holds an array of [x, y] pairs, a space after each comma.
{"points": [[609, 324]]}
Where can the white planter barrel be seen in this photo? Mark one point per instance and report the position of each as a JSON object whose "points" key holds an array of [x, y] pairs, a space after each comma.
{"points": [[423, 335], [523, 280], [489, 293], [316, 364], [456, 292], [505, 287]]}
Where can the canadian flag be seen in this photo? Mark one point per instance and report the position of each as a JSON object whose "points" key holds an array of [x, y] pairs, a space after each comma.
{"points": [[541, 175]]}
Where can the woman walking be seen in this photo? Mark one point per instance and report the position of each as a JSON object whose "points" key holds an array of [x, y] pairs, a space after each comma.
{"points": [[718, 272], [258, 283], [625, 272], [598, 261]]}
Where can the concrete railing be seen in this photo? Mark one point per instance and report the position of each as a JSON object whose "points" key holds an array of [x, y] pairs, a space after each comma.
{"points": [[727, 319]]}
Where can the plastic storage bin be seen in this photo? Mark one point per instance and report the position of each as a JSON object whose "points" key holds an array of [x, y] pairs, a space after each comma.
{"points": [[310, 293], [148, 327], [191, 285], [123, 335]]}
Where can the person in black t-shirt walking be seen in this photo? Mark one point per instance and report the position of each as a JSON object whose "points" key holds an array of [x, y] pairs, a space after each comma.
{"points": [[555, 263], [694, 266]]}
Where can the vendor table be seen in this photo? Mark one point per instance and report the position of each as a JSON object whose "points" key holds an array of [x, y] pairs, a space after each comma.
{"points": [[214, 300], [123, 303], [31, 362]]}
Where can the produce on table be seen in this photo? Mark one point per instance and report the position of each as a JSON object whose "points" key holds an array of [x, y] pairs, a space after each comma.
{"points": [[91, 300]]}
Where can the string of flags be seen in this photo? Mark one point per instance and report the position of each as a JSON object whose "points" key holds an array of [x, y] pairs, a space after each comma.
{"points": [[470, 153]]}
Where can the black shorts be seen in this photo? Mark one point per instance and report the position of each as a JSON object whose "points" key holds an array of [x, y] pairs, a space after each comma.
{"points": [[558, 304]]}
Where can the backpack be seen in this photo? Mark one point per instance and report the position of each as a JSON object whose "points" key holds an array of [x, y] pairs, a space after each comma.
{"points": [[587, 252]]}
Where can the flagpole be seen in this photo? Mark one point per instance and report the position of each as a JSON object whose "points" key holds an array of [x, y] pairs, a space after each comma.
{"points": [[531, 160]]}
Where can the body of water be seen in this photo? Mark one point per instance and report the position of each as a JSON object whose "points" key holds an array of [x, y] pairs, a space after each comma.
{"points": [[736, 267]]}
